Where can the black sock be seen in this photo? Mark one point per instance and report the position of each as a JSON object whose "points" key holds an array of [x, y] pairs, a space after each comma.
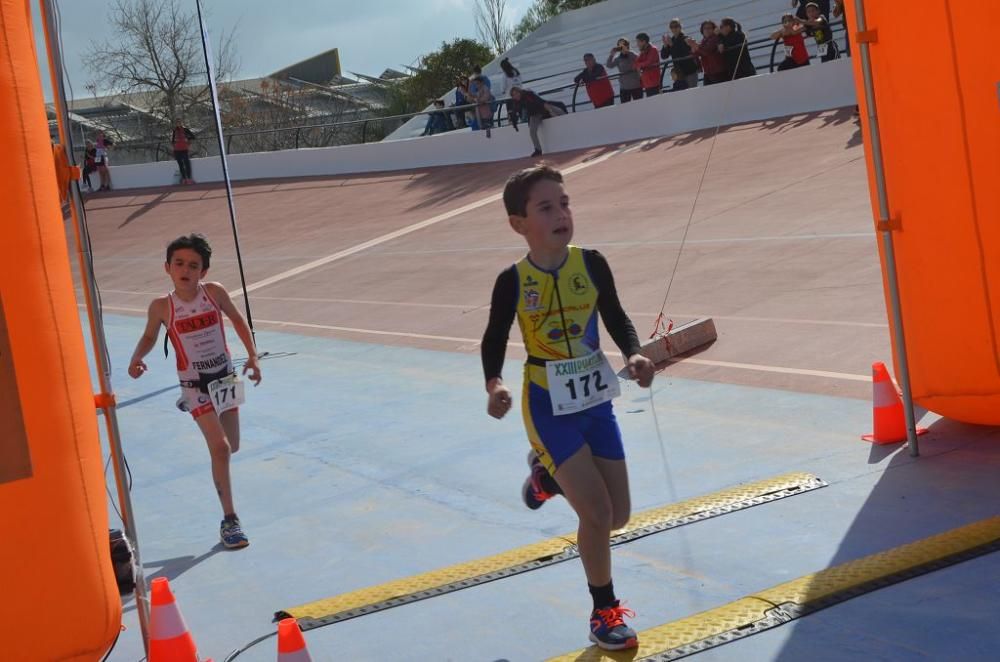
{"points": [[604, 596]]}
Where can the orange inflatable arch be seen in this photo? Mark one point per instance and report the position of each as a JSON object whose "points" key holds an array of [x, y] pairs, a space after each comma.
{"points": [[60, 600], [939, 118]]}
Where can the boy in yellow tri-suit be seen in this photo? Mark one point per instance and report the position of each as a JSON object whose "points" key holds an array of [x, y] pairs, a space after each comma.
{"points": [[556, 292]]}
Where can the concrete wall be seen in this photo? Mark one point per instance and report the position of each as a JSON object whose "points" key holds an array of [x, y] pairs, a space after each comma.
{"points": [[808, 89]]}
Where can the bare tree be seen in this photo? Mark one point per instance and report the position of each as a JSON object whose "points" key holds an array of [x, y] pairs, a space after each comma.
{"points": [[156, 50], [493, 26]]}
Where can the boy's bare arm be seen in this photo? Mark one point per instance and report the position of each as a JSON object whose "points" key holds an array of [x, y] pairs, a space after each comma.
{"points": [[219, 294], [154, 319]]}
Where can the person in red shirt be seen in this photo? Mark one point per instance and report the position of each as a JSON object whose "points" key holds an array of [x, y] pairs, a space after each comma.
{"points": [[791, 33], [180, 140], [648, 64], [595, 77], [713, 63]]}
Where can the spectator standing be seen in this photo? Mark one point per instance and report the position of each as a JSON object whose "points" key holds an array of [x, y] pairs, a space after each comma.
{"points": [[462, 98], [101, 146], [89, 166], [733, 46], [648, 64], [595, 77], [676, 46], [511, 77], [537, 109], [680, 81], [818, 27], [476, 80], [180, 140], [801, 8], [791, 33], [713, 63], [437, 120], [484, 104], [629, 81]]}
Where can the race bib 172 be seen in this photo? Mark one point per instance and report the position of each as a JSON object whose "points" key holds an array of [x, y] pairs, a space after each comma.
{"points": [[581, 383]]}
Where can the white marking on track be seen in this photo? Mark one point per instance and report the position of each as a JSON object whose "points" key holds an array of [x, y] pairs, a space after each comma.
{"points": [[409, 229]]}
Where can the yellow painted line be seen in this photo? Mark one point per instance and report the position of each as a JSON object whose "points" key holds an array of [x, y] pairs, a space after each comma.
{"points": [[783, 603], [546, 552]]}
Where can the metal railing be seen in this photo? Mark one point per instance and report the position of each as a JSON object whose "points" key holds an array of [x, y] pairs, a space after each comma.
{"points": [[363, 130]]}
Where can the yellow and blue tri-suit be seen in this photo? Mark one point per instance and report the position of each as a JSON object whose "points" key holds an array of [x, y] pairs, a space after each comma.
{"points": [[557, 312]]}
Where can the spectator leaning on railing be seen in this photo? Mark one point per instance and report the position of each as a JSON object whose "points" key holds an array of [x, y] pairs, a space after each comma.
{"points": [[595, 77], [734, 47], [713, 63], [676, 46], [629, 82], [537, 109], [648, 64], [791, 33]]}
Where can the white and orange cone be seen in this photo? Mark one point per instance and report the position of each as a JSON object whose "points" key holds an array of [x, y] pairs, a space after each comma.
{"points": [[888, 419], [169, 639], [291, 643]]}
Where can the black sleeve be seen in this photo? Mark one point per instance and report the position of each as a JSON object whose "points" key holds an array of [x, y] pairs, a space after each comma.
{"points": [[579, 77], [503, 308], [608, 305], [189, 133]]}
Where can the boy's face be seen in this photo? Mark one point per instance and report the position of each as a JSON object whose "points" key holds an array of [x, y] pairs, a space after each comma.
{"points": [[185, 268], [548, 221], [812, 12]]}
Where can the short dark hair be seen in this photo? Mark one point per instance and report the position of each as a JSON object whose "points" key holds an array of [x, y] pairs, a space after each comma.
{"points": [[642, 36], [519, 185], [588, 55], [476, 69], [195, 242]]}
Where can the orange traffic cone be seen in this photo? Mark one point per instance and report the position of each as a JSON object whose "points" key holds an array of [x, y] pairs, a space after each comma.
{"points": [[169, 639], [291, 644], [887, 409]]}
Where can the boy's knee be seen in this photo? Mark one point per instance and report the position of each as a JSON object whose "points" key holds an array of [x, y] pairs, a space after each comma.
{"points": [[598, 516], [219, 448], [620, 519]]}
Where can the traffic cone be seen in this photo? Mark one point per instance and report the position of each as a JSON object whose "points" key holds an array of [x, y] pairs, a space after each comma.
{"points": [[169, 639], [889, 422], [291, 644]]}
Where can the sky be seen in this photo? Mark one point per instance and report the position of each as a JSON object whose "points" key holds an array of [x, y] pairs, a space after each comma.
{"points": [[372, 35]]}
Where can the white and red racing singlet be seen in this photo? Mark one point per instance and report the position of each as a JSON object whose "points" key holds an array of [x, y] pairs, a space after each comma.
{"points": [[197, 333]]}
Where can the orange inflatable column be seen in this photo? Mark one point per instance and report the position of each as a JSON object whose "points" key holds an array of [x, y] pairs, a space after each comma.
{"points": [[939, 119], [60, 600]]}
